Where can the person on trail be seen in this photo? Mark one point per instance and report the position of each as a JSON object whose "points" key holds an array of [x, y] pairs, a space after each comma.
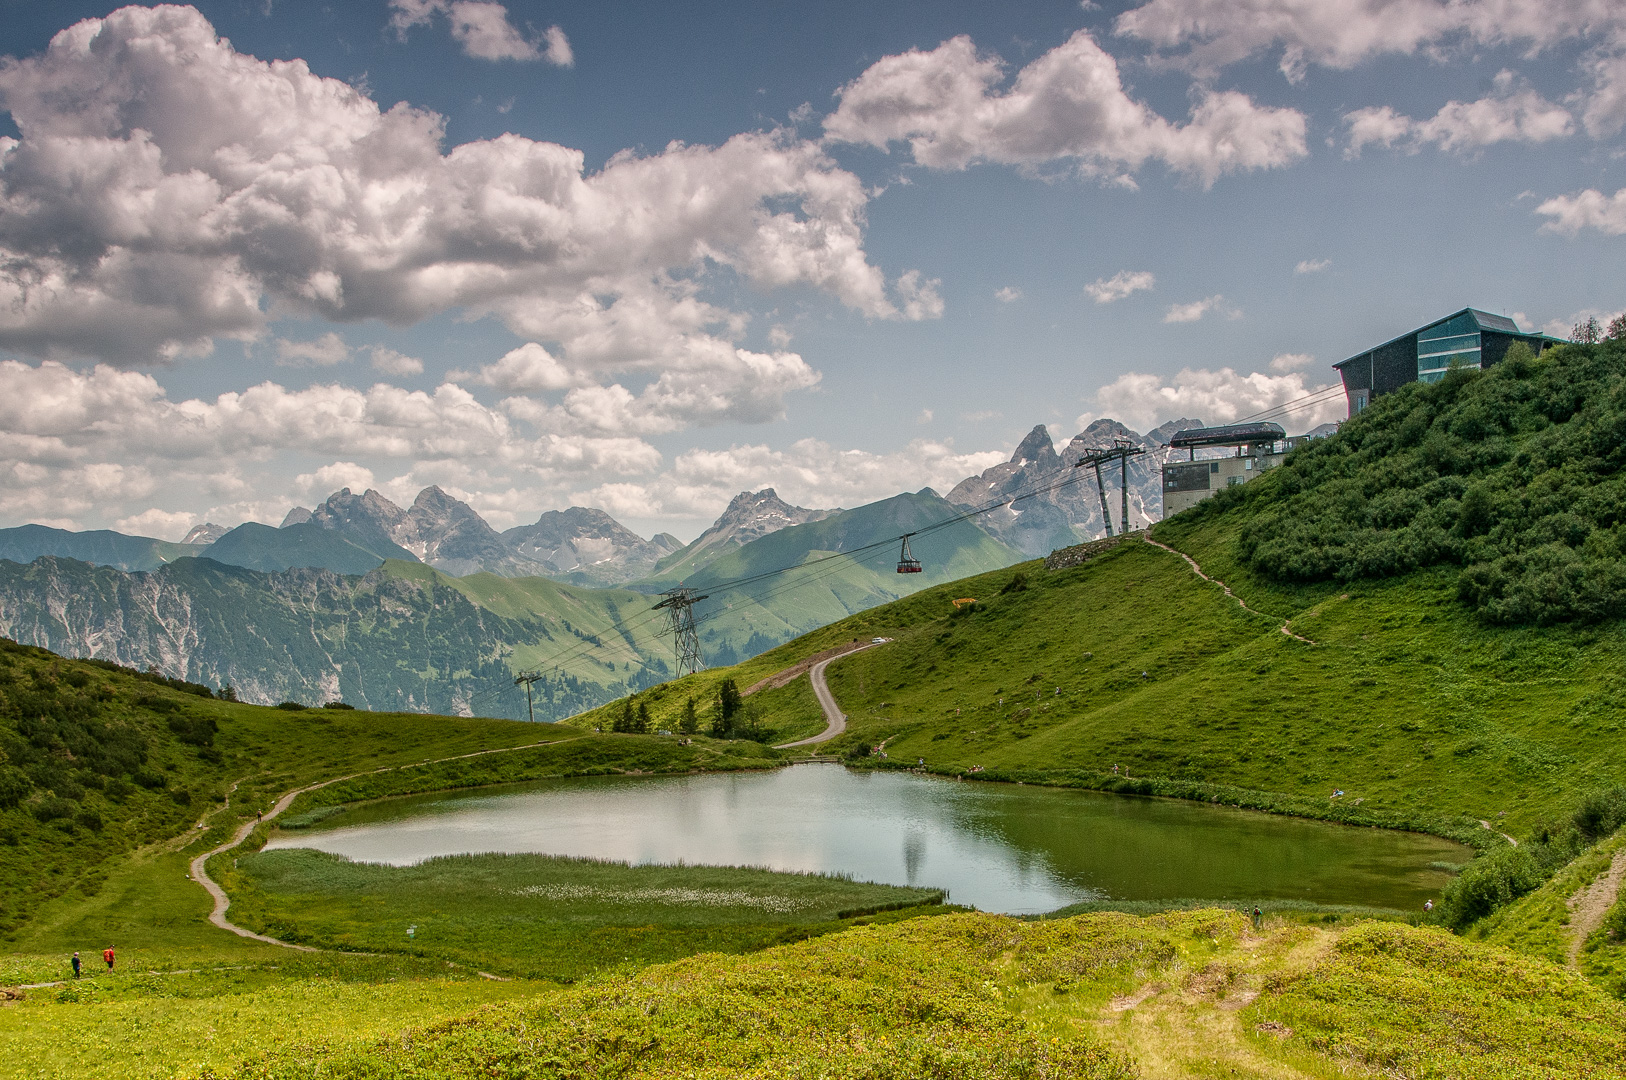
{"points": [[107, 954], [1428, 905], [259, 816], [1258, 916], [76, 965]]}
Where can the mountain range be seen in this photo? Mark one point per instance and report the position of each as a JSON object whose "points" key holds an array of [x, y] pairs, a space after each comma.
{"points": [[429, 608]]}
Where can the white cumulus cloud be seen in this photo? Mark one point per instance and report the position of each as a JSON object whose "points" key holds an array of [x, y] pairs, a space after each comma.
{"points": [[168, 191], [325, 351], [390, 362], [810, 472], [1205, 35], [1007, 294], [1311, 266], [1144, 401], [1589, 209], [1511, 115], [1289, 361], [1120, 285], [483, 29], [1068, 105], [1182, 313]]}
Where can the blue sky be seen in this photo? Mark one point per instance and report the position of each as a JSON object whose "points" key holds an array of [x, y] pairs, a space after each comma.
{"points": [[894, 237]]}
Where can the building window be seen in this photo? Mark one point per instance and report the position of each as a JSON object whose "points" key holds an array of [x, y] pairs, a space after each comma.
{"points": [[1360, 401], [1445, 345]]}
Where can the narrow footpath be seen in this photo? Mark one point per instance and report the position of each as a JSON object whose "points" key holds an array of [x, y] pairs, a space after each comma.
{"points": [[200, 873], [1589, 905], [835, 720], [1241, 603]]}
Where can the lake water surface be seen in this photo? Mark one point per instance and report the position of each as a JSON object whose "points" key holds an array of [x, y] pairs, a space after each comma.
{"points": [[997, 847]]}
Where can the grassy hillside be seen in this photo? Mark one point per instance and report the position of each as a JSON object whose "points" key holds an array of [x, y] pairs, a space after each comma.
{"points": [[97, 762], [26, 543], [1197, 994], [747, 619]]}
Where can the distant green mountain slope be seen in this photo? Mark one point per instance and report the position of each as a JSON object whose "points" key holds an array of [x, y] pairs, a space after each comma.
{"points": [[745, 619], [28, 542], [261, 547]]}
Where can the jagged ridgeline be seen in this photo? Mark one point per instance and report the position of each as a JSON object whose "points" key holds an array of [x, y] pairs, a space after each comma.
{"points": [[1513, 476]]}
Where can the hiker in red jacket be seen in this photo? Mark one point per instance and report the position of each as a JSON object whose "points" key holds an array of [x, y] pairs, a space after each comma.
{"points": [[107, 954]]}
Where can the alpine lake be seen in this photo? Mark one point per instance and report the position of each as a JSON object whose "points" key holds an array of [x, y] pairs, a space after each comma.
{"points": [[1005, 848]]}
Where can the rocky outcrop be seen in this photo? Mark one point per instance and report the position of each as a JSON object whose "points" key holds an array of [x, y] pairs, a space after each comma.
{"points": [[588, 546], [207, 533], [1049, 520]]}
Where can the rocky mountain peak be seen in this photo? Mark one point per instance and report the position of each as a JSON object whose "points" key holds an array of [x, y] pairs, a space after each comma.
{"points": [[207, 533], [297, 516], [588, 544], [1036, 449], [754, 514]]}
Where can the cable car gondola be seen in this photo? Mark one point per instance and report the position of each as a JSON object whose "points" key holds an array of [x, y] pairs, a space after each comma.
{"points": [[907, 563]]}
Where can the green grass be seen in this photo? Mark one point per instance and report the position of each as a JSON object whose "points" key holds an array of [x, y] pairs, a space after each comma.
{"points": [[573, 753], [209, 1021], [1420, 714], [540, 916], [1193, 994], [1422, 1003], [1537, 924]]}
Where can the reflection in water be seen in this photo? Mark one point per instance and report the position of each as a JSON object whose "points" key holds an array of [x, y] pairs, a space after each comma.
{"points": [[914, 853], [998, 847]]}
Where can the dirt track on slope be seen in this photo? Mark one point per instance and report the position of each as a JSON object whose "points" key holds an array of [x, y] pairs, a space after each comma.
{"points": [[1590, 904], [200, 873], [835, 720]]}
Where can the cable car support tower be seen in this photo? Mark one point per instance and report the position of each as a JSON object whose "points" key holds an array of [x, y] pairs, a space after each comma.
{"points": [[1121, 450], [679, 606]]}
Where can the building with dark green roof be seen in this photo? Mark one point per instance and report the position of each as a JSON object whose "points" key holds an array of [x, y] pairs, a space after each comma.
{"points": [[1469, 337]]}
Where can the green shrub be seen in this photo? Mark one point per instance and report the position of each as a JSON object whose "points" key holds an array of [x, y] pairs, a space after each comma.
{"points": [[53, 807], [290, 706], [1601, 813], [1490, 882], [1516, 475]]}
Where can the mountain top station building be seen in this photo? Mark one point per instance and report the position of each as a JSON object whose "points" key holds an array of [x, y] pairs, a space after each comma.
{"points": [[1470, 337], [1258, 447]]}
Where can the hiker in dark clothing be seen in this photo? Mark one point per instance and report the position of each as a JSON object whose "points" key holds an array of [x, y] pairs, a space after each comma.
{"points": [[1258, 916], [107, 954], [76, 965]]}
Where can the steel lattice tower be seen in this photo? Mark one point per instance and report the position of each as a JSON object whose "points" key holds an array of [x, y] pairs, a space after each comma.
{"points": [[679, 605], [1121, 451]]}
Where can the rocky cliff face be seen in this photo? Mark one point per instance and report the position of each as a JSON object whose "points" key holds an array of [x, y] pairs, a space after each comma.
{"points": [[588, 546], [1043, 523], [750, 516], [207, 533], [375, 641], [438, 529]]}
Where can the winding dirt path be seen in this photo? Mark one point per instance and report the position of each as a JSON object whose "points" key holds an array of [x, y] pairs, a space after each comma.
{"points": [[1241, 603], [200, 873], [1589, 905], [835, 720]]}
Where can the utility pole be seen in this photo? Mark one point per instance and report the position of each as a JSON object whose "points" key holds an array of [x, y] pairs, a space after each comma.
{"points": [[1121, 450], [528, 677], [679, 605]]}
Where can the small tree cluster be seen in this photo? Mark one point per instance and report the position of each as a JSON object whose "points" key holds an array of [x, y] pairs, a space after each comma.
{"points": [[634, 718], [725, 708]]}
